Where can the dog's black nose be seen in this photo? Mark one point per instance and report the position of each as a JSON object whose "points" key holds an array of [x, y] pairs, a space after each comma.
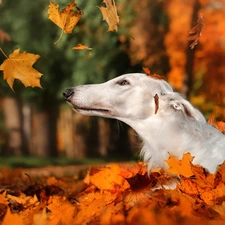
{"points": [[68, 93]]}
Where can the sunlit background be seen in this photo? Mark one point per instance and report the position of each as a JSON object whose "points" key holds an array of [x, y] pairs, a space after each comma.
{"points": [[36, 125]]}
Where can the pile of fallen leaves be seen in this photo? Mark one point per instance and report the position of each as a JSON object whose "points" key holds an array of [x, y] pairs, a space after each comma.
{"points": [[116, 194]]}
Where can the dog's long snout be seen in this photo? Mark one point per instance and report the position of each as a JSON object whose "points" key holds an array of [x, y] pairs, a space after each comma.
{"points": [[68, 93]]}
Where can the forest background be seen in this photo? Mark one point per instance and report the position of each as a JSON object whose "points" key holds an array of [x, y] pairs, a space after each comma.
{"points": [[152, 33]]}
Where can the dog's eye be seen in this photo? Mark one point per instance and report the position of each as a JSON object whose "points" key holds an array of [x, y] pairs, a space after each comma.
{"points": [[123, 82]]}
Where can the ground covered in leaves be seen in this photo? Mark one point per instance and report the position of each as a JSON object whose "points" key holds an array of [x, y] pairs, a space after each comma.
{"points": [[115, 194]]}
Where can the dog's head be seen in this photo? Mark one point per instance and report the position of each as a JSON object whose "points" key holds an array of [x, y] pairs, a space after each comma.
{"points": [[127, 96]]}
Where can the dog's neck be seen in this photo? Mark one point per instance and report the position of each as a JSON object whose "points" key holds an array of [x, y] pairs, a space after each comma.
{"points": [[160, 139]]}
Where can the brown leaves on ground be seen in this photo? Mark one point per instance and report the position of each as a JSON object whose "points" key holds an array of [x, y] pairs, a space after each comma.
{"points": [[19, 66], [109, 14], [66, 19], [196, 31], [116, 194]]}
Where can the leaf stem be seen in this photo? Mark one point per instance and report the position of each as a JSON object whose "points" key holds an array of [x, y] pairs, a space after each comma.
{"points": [[3, 53]]}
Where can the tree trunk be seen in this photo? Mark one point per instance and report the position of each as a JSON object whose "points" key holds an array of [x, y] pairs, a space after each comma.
{"points": [[13, 123], [44, 142], [119, 143], [104, 136], [26, 110], [40, 134], [71, 134], [190, 53]]}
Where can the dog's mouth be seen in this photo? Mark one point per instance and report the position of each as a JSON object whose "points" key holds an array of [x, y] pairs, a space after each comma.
{"points": [[87, 110]]}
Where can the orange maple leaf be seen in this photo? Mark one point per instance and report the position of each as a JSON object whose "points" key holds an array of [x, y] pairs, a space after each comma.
{"points": [[62, 211], [180, 167], [19, 66], [81, 47], [109, 14], [12, 218], [66, 19], [109, 178]]}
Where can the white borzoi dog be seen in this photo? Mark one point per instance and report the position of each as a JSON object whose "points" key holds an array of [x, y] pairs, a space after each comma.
{"points": [[167, 123]]}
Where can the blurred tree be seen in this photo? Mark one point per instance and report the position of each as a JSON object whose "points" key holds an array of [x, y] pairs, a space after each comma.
{"points": [[209, 67], [148, 32], [30, 29], [176, 40]]}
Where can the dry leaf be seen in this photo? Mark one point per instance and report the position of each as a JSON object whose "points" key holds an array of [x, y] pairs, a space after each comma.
{"points": [[12, 218], [62, 211], [4, 36], [66, 19], [122, 194], [219, 125], [109, 14], [196, 31], [155, 76], [109, 178], [180, 167], [156, 99], [19, 66], [81, 47]]}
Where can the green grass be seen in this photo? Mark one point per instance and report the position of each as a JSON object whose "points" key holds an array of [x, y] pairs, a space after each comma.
{"points": [[30, 162]]}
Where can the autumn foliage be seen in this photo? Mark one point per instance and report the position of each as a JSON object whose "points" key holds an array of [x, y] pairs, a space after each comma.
{"points": [[19, 66], [122, 193], [117, 194]]}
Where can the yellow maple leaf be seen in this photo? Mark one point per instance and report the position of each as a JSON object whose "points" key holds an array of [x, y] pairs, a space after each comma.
{"points": [[109, 14], [19, 66], [66, 19]]}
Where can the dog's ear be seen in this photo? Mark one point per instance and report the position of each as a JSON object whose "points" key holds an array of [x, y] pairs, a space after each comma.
{"points": [[187, 109]]}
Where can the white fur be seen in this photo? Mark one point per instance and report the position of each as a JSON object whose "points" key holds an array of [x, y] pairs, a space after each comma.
{"points": [[176, 128]]}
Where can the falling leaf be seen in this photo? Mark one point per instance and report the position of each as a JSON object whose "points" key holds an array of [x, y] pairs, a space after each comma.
{"points": [[156, 99], [19, 66], [81, 47], [66, 19], [155, 76], [4, 36], [196, 31], [109, 14]]}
